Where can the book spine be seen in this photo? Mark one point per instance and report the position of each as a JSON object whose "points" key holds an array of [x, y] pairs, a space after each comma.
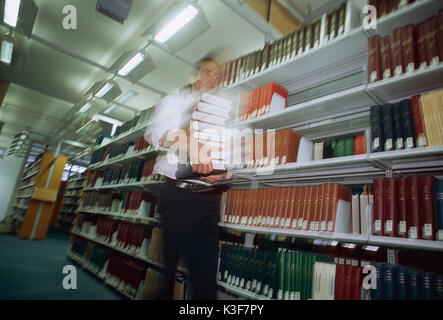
{"points": [[440, 34], [388, 131], [421, 46], [431, 28], [408, 42], [396, 52], [407, 124], [378, 214], [386, 58], [374, 66], [438, 196], [426, 194]]}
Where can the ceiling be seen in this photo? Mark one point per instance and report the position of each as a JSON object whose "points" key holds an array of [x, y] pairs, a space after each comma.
{"points": [[60, 66]]}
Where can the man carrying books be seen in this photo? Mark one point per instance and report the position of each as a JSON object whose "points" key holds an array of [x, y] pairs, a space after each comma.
{"points": [[188, 207]]}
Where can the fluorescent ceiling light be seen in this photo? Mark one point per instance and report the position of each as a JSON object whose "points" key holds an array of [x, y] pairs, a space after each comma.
{"points": [[12, 8], [6, 51], [86, 107], [110, 109], [104, 90], [371, 248], [107, 119], [176, 24], [131, 64], [86, 127], [349, 245]]}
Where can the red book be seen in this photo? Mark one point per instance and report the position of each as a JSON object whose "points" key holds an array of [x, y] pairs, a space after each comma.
{"points": [[374, 60], [286, 215], [359, 145], [356, 282], [390, 207], [402, 208], [248, 207], [256, 201], [271, 89], [396, 52], [307, 207], [384, 7], [386, 60], [422, 59], [378, 205], [336, 193], [413, 212], [431, 28], [420, 136], [319, 209], [347, 283], [313, 204], [376, 4], [440, 34], [326, 215], [287, 144], [426, 197], [408, 42], [280, 206], [339, 281], [299, 207]]}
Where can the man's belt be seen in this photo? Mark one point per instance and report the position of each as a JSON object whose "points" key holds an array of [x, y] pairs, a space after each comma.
{"points": [[194, 187]]}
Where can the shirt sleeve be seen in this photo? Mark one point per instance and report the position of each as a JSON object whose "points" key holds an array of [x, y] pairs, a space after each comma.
{"points": [[168, 115]]}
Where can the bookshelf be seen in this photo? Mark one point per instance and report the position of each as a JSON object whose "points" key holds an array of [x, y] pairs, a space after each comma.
{"points": [[141, 256], [128, 157], [331, 114], [69, 204], [36, 196], [84, 264]]}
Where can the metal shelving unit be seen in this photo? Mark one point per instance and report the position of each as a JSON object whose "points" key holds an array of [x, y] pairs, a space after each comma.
{"points": [[124, 159]]}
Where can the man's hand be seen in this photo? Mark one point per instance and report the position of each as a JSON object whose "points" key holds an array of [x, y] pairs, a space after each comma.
{"points": [[215, 177]]}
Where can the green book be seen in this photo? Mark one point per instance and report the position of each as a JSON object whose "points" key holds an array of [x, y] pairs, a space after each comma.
{"points": [[292, 276], [303, 276], [333, 25], [258, 61], [301, 40], [261, 271], [294, 43], [340, 148], [316, 37], [273, 287], [287, 276], [349, 146], [281, 274], [341, 19], [265, 57], [308, 37]]}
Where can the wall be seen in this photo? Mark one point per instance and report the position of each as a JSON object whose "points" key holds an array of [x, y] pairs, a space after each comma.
{"points": [[10, 174]]}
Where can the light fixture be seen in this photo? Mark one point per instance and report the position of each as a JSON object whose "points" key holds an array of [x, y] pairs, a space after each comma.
{"points": [[107, 90], [371, 248], [178, 22], [7, 48], [133, 65], [107, 119], [86, 127], [86, 107], [104, 90], [12, 8], [179, 25], [19, 15], [20, 144]]}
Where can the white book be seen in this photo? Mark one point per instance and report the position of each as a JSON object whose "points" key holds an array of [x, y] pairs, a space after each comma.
{"points": [[211, 119], [343, 217], [318, 151], [355, 214], [364, 201], [201, 126], [213, 110], [216, 100]]}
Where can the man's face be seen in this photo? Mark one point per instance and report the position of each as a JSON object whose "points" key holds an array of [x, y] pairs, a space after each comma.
{"points": [[209, 77]]}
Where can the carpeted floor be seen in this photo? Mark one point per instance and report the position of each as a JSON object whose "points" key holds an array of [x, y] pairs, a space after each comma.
{"points": [[33, 269]]}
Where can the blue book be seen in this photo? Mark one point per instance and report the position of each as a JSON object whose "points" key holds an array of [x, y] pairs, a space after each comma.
{"points": [[411, 285], [437, 287], [438, 196], [424, 285], [387, 275], [399, 283], [376, 294]]}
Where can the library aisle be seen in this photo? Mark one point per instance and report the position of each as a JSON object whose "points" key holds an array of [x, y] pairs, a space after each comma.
{"points": [[34, 271]]}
